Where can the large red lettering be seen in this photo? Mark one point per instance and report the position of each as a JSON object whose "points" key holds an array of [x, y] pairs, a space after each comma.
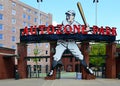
{"points": [[114, 33], [76, 28], [95, 29], [108, 30], [59, 29], [67, 29], [101, 30], [33, 30], [50, 29], [83, 29], [41, 29], [25, 31]]}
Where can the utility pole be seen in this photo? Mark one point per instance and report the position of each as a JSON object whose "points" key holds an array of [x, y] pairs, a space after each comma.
{"points": [[95, 1]]}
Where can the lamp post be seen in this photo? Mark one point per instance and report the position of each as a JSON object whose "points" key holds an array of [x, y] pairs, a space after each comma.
{"points": [[36, 51], [95, 1], [38, 1]]}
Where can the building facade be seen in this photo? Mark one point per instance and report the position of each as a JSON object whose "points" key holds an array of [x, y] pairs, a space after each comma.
{"points": [[15, 15]]}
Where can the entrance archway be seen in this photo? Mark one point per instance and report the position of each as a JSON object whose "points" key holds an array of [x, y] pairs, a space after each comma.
{"points": [[52, 38]]}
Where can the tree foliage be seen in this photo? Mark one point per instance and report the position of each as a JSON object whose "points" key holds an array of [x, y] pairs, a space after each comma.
{"points": [[36, 52], [97, 54], [98, 49]]}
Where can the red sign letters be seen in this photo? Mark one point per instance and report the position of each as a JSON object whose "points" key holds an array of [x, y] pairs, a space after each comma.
{"points": [[59, 29]]}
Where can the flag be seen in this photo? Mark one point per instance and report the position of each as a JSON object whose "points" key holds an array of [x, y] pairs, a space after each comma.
{"points": [[39, 1]]}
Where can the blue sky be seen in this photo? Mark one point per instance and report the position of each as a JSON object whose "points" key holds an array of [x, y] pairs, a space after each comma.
{"points": [[108, 11]]}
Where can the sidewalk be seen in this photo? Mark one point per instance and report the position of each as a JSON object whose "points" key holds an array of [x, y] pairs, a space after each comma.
{"points": [[60, 82]]}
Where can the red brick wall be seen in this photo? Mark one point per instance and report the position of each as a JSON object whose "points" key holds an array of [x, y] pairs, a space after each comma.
{"points": [[118, 62], [7, 64], [111, 60], [22, 62], [67, 62]]}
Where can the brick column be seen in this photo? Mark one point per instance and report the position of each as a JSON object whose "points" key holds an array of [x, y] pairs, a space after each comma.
{"points": [[52, 51], [118, 62], [85, 52], [22, 62], [110, 60], [84, 47]]}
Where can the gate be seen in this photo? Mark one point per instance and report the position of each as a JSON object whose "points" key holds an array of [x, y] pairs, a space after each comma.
{"points": [[37, 71]]}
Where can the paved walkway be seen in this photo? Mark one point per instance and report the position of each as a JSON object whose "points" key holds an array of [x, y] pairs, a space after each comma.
{"points": [[60, 82]]}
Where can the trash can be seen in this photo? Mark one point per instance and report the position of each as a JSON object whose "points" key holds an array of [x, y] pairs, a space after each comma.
{"points": [[78, 75], [16, 75]]}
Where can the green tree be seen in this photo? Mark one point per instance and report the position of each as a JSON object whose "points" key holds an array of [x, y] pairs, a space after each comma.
{"points": [[97, 61], [36, 52], [98, 50]]}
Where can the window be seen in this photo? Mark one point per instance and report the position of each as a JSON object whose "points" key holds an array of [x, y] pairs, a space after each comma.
{"points": [[35, 19], [13, 20], [13, 30], [46, 23], [35, 13], [29, 10], [40, 21], [1, 36], [28, 17], [13, 47], [24, 15], [46, 51], [28, 50], [28, 59], [13, 38], [39, 44], [1, 26], [1, 16], [13, 12], [39, 60], [46, 59], [24, 8], [1, 7], [29, 25], [46, 18], [13, 4], [1, 45], [46, 45], [40, 15], [24, 24]]}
